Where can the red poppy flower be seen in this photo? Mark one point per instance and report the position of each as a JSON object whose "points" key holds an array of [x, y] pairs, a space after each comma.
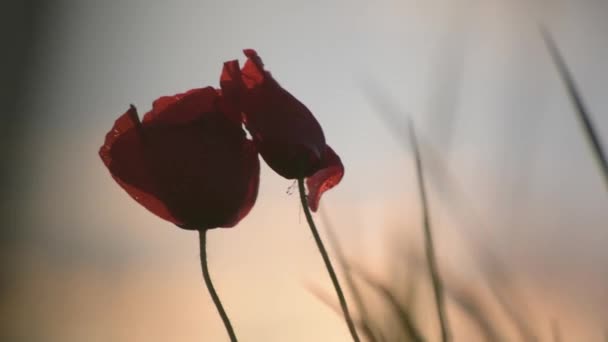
{"points": [[188, 162], [286, 133]]}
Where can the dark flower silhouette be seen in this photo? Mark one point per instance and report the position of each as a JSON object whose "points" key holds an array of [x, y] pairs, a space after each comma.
{"points": [[285, 132], [188, 161]]}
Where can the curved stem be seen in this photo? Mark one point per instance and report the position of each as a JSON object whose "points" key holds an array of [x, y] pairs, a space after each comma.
{"points": [[216, 299], [328, 265]]}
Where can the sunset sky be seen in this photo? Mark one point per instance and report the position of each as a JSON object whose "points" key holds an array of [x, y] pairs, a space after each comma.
{"points": [[473, 75]]}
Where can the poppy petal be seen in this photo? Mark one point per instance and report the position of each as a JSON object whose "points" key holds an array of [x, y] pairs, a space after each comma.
{"points": [[253, 70], [230, 81], [182, 108], [123, 154], [328, 176], [289, 160], [286, 133], [232, 91], [207, 169], [251, 175]]}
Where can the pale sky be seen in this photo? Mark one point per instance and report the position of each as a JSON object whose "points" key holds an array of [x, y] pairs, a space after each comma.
{"points": [[473, 75]]}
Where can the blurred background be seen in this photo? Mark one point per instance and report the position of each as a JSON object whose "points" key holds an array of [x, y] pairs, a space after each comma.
{"points": [[517, 203]]}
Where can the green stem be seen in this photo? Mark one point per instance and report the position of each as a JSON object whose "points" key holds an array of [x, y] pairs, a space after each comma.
{"points": [[216, 299], [328, 265], [350, 282]]}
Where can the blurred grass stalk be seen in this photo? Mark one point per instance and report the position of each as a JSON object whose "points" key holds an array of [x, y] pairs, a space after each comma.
{"points": [[577, 101], [429, 246], [370, 327], [472, 306], [490, 265], [389, 114], [402, 312], [498, 277]]}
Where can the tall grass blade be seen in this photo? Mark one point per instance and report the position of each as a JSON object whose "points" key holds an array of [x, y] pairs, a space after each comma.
{"points": [[578, 103], [473, 308], [390, 116], [364, 325], [403, 312], [496, 273], [428, 240]]}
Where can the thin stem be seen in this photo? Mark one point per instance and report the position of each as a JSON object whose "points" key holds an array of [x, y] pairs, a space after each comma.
{"points": [[216, 299], [330, 268], [428, 239], [350, 282]]}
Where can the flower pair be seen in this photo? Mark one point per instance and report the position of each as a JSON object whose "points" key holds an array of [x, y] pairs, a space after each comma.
{"points": [[190, 162]]}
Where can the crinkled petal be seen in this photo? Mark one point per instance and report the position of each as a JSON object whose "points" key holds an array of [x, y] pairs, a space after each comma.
{"points": [[124, 155], [232, 91], [182, 108], [253, 70], [328, 176], [230, 81]]}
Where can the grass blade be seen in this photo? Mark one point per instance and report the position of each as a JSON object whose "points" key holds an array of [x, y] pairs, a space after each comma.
{"points": [[428, 240], [473, 308], [364, 325], [402, 312], [577, 101]]}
